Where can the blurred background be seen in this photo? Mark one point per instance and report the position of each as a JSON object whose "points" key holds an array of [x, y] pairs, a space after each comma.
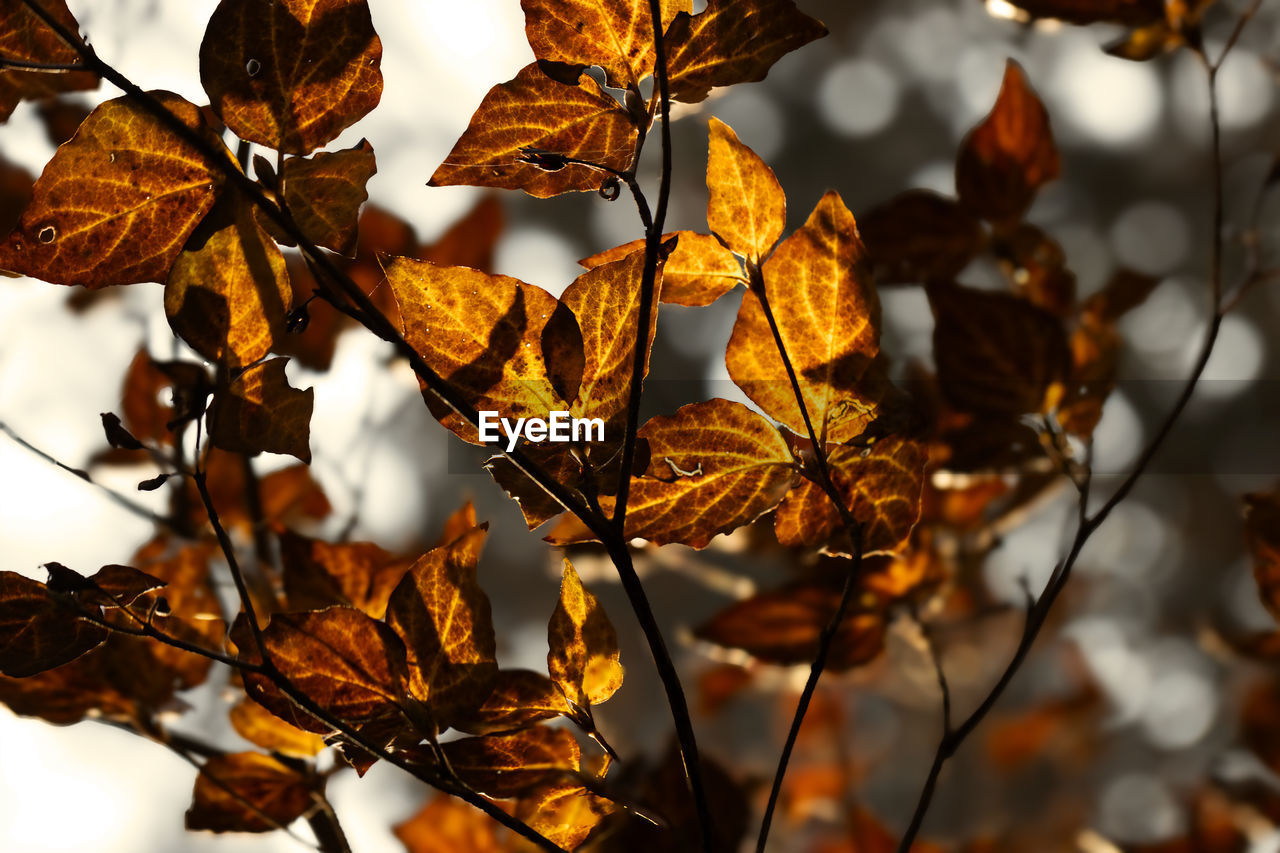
{"points": [[875, 108]]}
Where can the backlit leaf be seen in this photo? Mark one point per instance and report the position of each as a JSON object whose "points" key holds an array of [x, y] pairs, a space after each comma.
{"points": [[520, 698], [444, 618], [533, 111], [116, 203], [1009, 155], [747, 208], [259, 411], [617, 35], [828, 316], [881, 487], [318, 574], [782, 627], [260, 727], [996, 354], [448, 825], [733, 41], [714, 466], [118, 586], [698, 272], [510, 765], [25, 38], [583, 646], [564, 812], [247, 792], [37, 630], [920, 236], [291, 74], [324, 193], [228, 291]]}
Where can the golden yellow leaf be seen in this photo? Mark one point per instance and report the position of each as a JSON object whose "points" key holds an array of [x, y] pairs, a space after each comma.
{"points": [[533, 111], [617, 35], [698, 272], [260, 412], [228, 292], [247, 792], [510, 765], [564, 812], [828, 317], [448, 825], [444, 618], [291, 74], [714, 466], [260, 727], [324, 193], [583, 646], [747, 209], [117, 201], [520, 698], [733, 41]]}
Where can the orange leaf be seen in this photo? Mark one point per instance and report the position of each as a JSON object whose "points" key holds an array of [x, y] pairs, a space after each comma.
{"points": [[324, 193], [262, 728], [1009, 155], [228, 291], [920, 236], [116, 202], [881, 486], [291, 74], [828, 317], [318, 574], [510, 765], [733, 42], [583, 646], [617, 35], [26, 38], [443, 616], [996, 354], [565, 812], [747, 209], [259, 411], [247, 792], [520, 698], [698, 272], [448, 825], [714, 466], [577, 120], [38, 631], [1262, 531]]}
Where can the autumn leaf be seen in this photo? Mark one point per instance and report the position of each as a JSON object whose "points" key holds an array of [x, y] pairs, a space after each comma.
{"points": [[448, 825], [520, 698], [1131, 12], [714, 466], [26, 38], [259, 411], [746, 208], [324, 193], [470, 241], [616, 35], [920, 236], [697, 272], [147, 382], [782, 626], [996, 354], [348, 664], [228, 291], [532, 111], [260, 727], [583, 646], [247, 792], [291, 74], [1009, 155], [1036, 265], [116, 586], [117, 202], [564, 813], [443, 615], [732, 41], [881, 486], [828, 318], [319, 574], [510, 765], [1262, 532], [37, 630]]}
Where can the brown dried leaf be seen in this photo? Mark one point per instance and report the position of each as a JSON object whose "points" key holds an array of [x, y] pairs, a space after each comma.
{"points": [[319, 574], [260, 727], [38, 630], [1009, 155], [448, 825], [26, 38], [324, 193], [228, 291], [782, 626], [582, 654], [920, 236], [533, 111], [997, 354], [520, 698], [746, 208], [617, 35], [732, 41], [511, 765], [291, 74], [470, 241], [259, 411], [1262, 532], [247, 792], [828, 317], [714, 466], [115, 204], [444, 618], [698, 272]]}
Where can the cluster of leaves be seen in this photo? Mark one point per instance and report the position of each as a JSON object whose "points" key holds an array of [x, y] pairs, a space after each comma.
{"points": [[346, 653]]}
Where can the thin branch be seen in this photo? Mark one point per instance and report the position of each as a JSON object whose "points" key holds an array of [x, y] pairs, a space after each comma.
{"points": [[49, 67]]}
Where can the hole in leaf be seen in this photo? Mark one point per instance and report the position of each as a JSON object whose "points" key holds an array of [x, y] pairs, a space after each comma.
{"points": [[253, 67], [47, 234]]}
